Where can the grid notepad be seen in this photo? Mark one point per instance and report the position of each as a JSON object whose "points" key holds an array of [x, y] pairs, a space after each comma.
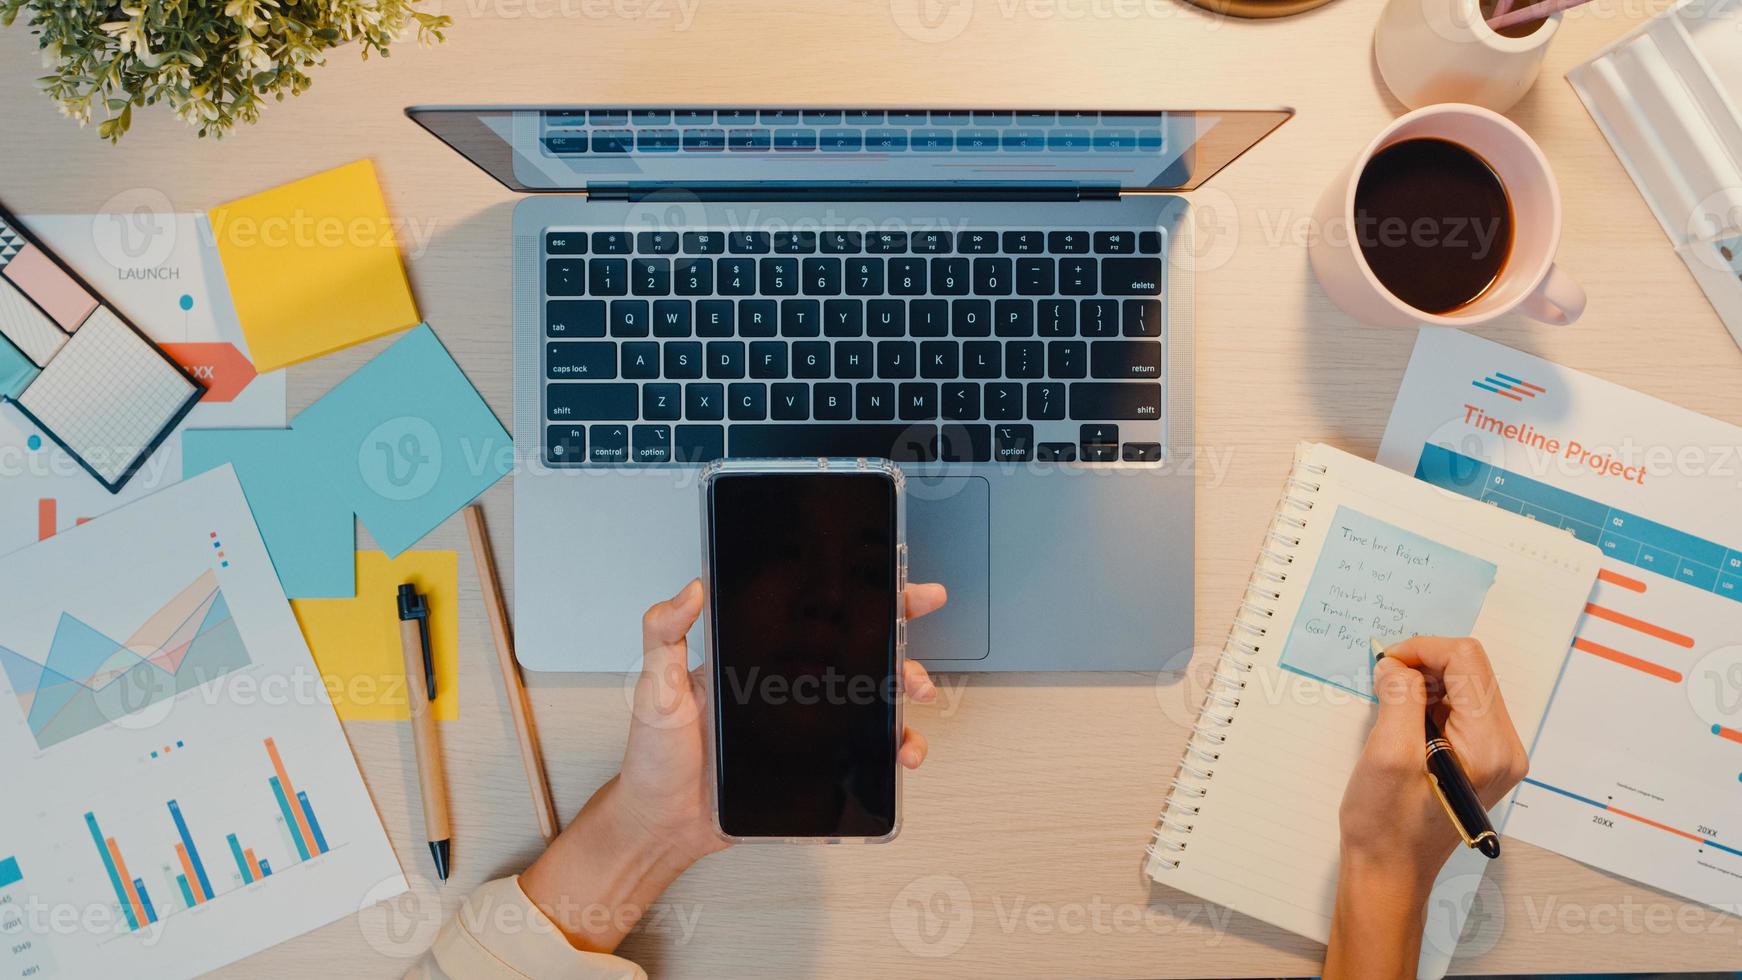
{"points": [[108, 395]]}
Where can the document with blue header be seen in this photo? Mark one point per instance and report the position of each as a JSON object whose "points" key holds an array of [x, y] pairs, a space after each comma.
{"points": [[1638, 769]]}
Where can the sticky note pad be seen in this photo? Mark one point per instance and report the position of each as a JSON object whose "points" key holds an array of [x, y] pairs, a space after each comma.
{"points": [[309, 533], [1376, 580], [16, 370], [59, 294], [314, 266], [28, 328], [356, 641], [406, 441]]}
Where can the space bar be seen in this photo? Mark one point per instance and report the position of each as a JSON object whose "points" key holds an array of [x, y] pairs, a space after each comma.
{"points": [[903, 443]]}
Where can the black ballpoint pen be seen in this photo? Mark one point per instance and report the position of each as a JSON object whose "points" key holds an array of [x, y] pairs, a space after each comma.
{"points": [[1445, 773]]}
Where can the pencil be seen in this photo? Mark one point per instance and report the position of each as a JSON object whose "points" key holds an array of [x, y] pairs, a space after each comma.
{"points": [[518, 707]]}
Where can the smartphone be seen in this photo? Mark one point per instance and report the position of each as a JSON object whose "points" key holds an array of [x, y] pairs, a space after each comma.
{"points": [[805, 566]]}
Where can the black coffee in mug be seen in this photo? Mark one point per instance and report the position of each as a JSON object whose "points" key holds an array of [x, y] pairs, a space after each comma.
{"points": [[1434, 223]]}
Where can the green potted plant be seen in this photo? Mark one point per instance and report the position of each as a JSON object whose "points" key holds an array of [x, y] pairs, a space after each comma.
{"points": [[213, 62]]}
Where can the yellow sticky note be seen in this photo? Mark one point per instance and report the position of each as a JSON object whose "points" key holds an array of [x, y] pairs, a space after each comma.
{"points": [[314, 266], [356, 641]]}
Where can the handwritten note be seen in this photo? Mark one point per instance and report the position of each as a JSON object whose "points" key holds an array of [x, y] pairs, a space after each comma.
{"points": [[1375, 579]]}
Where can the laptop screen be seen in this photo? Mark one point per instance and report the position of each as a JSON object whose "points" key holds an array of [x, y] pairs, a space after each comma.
{"points": [[552, 148]]}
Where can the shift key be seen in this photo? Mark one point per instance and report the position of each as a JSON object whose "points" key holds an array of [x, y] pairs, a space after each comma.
{"points": [[591, 402], [1094, 401]]}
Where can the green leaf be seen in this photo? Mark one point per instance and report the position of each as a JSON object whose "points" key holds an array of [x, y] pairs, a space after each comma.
{"points": [[191, 60]]}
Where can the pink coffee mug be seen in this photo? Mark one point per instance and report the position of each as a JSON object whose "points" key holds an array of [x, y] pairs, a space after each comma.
{"points": [[1530, 282]]}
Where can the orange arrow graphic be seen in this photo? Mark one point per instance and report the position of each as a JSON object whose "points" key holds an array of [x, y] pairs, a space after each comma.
{"points": [[220, 367]]}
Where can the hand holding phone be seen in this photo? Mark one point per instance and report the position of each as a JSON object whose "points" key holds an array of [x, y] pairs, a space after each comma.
{"points": [[649, 823], [806, 648]]}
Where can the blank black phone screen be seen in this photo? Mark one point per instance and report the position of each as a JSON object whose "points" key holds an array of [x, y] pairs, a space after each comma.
{"points": [[804, 687]]}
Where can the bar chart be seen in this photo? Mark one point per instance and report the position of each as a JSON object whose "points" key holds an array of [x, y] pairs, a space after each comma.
{"points": [[21, 954], [196, 882]]}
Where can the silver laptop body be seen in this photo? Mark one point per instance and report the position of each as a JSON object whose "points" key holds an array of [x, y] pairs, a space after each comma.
{"points": [[1000, 301]]}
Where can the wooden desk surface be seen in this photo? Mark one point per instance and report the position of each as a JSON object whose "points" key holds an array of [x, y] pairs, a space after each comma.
{"points": [[1024, 831]]}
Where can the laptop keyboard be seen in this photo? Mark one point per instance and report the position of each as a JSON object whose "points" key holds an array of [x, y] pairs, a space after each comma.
{"points": [[957, 346]]}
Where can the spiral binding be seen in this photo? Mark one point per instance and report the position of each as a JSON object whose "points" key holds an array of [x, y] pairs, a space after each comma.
{"points": [[1245, 640]]}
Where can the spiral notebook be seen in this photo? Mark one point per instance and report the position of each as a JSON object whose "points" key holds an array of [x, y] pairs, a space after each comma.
{"points": [[1354, 551]]}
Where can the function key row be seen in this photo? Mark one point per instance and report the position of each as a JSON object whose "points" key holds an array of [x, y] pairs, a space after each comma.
{"points": [[851, 242], [620, 141], [834, 117]]}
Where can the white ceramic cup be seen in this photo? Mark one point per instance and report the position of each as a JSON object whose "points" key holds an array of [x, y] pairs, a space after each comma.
{"points": [[1432, 51], [1530, 282]]}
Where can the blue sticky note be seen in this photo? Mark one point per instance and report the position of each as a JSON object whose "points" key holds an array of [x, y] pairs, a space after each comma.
{"points": [[309, 533], [406, 441], [1375, 580], [16, 370]]}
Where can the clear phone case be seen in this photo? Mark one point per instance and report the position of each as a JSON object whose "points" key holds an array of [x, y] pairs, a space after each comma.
{"points": [[820, 466]]}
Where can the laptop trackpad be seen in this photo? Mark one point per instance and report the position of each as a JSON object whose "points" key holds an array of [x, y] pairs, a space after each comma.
{"points": [[949, 541]]}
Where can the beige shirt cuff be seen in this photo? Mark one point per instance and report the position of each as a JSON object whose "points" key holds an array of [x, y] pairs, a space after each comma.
{"points": [[500, 935]]}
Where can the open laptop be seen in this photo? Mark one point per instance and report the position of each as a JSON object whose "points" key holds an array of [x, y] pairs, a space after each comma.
{"points": [[1001, 301]]}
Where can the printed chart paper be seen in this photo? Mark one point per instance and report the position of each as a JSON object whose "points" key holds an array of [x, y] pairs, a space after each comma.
{"points": [[1638, 767], [178, 782]]}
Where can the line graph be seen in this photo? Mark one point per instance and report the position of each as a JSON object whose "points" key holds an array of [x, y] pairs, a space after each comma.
{"points": [[89, 680]]}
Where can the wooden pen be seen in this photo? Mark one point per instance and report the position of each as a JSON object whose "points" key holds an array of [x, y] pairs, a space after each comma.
{"points": [[420, 692]]}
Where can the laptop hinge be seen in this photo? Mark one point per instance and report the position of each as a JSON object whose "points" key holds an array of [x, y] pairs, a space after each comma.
{"points": [[850, 191]]}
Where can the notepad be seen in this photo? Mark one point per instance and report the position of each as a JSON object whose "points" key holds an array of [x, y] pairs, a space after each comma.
{"points": [[1375, 580], [1251, 821], [314, 266]]}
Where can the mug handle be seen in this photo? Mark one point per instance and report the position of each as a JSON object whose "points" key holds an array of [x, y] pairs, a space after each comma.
{"points": [[1559, 300]]}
